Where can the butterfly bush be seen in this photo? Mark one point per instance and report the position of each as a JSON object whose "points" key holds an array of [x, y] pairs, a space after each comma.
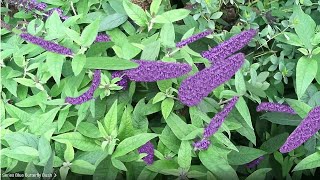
{"points": [[306, 129], [149, 150], [215, 124], [150, 71], [275, 107], [47, 45], [194, 88], [193, 38], [88, 95], [230, 46]]}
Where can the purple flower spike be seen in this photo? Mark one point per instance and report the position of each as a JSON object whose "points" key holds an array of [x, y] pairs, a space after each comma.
{"points": [[306, 129], [102, 38], [124, 79], [89, 93], [255, 162], [47, 45], [275, 107], [41, 6], [202, 145], [218, 119], [150, 71], [196, 87], [149, 150], [193, 38], [230, 46]]}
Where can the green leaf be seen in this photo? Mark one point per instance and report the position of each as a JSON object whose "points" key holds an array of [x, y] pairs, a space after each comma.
{"points": [[53, 25], [126, 128], [214, 159], [184, 155], [136, 13], [82, 167], [309, 162], [35, 100], [16, 139], [301, 108], [151, 51], [163, 85], [89, 33], [160, 165], [304, 26], [78, 141], [154, 7], [69, 152], [166, 107], [63, 172], [89, 130], [172, 16], [109, 63], [282, 118], [62, 117], [40, 124], [22, 153], [167, 35], [55, 62], [259, 174], [245, 155], [112, 21], [132, 143], [110, 120], [118, 164], [78, 63], [160, 96], [274, 143], [44, 149], [243, 109], [178, 126], [240, 83], [306, 72]]}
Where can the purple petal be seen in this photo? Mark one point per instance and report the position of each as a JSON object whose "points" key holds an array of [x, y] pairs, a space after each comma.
{"points": [[194, 88], [150, 71], [275, 107], [230, 46], [149, 150], [306, 129]]}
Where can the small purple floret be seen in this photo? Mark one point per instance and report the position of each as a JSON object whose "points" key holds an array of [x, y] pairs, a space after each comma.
{"points": [[149, 150], [102, 38], [88, 95], [202, 144], [275, 107], [306, 129], [193, 38]]}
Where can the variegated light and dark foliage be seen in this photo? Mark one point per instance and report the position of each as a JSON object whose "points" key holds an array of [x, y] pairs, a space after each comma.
{"points": [[160, 89]]}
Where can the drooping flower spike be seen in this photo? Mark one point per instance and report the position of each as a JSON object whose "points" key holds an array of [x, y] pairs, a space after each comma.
{"points": [[227, 48], [194, 88], [47, 45], [124, 79], [305, 130], [149, 150], [275, 107], [193, 38], [150, 71], [215, 124], [255, 162], [88, 95]]}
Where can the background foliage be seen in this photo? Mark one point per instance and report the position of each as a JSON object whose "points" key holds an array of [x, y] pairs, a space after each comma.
{"points": [[40, 133]]}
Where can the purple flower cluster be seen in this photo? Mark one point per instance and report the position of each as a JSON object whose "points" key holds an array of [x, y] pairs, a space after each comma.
{"points": [[89, 93], [230, 46], [306, 129], [215, 124], [47, 45], [275, 107], [193, 38], [255, 162], [124, 79], [150, 71], [28, 5], [102, 38], [194, 88], [149, 150], [59, 11]]}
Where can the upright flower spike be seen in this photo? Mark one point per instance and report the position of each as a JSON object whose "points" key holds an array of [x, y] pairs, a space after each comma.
{"points": [[124, 79], [102, 38], [47, 45], [89, 93], [255, 162], [230, 46], [215, 124], [275, 107], [149, 150], [306, 129], [150, 71], [218, 119], [193, 38], [194, 88]]}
